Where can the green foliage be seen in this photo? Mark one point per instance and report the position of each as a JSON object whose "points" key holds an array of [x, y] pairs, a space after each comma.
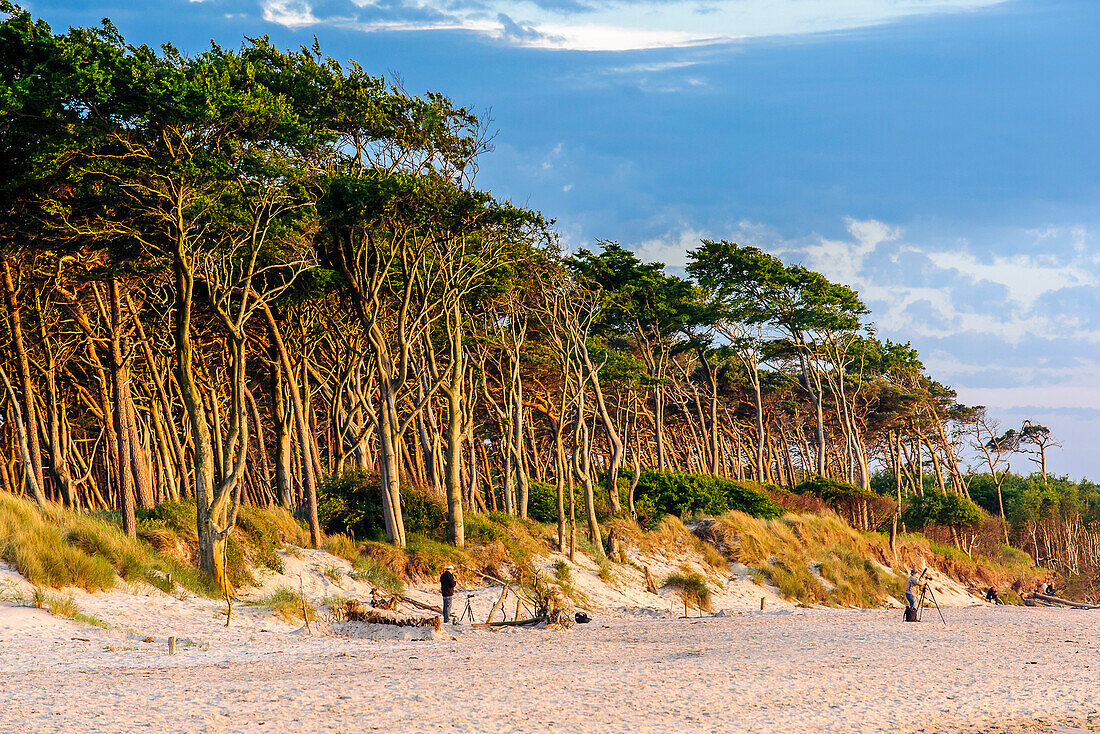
{"points": [[1029, 499], [667, 493], [831, 490], [351, 503], [542, 500], [949, 510]]}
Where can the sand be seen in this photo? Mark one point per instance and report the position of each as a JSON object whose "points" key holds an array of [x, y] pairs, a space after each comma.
{"points": [[635, 668]]}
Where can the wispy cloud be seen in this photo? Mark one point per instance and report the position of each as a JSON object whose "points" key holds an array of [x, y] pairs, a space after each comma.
{"points": [[610, 25], [1025, 277]]}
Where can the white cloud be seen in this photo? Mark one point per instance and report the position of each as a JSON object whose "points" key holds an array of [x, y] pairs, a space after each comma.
{"points": [[843, 260], [1026, 278], [672, 249], [622, 25], [289, 13]]}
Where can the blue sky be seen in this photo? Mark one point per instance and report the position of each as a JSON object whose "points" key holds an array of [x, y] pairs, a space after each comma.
{"points": [[938, 155]]}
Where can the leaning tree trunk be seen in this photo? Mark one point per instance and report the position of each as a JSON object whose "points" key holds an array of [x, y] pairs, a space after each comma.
{"points": [[304, 437], [29, 409]]}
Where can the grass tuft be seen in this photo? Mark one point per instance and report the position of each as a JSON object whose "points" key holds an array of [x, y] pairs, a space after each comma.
{"points": [[288, 605], [692, 587]]}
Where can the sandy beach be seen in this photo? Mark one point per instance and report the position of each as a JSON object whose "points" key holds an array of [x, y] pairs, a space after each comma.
{"points": [[991, 669]]}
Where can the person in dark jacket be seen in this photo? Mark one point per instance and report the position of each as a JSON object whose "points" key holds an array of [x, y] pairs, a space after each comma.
{"points": [[447, 585]]}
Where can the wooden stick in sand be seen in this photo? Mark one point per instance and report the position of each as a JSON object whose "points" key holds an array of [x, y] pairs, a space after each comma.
{"points": [[305, 609]]}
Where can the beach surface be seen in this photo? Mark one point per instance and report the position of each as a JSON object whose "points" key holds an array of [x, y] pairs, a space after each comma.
{"points": [[993, 669]]}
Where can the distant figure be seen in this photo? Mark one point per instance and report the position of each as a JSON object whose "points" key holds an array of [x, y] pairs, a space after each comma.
{"points": [[1049, 589], [911, 586], [447, 589], [991, 596]]}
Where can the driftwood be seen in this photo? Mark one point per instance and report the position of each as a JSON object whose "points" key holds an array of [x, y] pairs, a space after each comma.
{"points": [[1064, 602], [382, 600], [356, 612], [499, 605]]}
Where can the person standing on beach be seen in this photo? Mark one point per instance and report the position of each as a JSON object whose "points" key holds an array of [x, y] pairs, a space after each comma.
{"points": [[447, 585], [911, 586]]}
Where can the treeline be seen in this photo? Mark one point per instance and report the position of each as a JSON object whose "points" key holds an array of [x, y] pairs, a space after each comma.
{"points": [[231, 275]]}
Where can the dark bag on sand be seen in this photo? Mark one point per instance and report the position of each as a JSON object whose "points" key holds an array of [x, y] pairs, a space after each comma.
{"points": [[910, 614], [581, 618]]}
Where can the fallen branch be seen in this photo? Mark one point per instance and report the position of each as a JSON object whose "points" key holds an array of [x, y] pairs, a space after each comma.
{"points": [[1063, 602]]}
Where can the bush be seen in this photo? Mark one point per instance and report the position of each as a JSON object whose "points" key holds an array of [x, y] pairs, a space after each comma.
{"points": [[948, 510], [351, 503], [542, 501], [667, 493]]}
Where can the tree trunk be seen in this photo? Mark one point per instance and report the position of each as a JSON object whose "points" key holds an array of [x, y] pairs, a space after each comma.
{"points": [[29, 409], [304, 438]]}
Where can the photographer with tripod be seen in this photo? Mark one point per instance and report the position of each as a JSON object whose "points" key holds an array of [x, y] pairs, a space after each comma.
{"points": [[913, 585], [913, 611]]}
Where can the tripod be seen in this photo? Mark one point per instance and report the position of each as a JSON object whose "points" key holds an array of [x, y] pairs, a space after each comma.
{"points": [[927, 589], [468, 611]]}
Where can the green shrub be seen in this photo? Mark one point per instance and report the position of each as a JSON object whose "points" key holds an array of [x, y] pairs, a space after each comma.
{"points": [[351, 503], [668, 493], [542, 500], [948, 510]]}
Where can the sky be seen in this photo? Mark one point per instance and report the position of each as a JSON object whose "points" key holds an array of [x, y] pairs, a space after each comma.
{"points": [[940, 156]]}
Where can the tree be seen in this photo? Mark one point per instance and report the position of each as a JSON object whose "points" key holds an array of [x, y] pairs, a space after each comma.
{"points": [[1036, 439]]}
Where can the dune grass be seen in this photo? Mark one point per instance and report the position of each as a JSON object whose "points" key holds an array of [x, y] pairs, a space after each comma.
{"points": [[691, 586], [57, 548], [288, 605], [820, 559]]}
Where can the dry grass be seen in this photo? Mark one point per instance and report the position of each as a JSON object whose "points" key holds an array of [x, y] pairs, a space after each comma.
{"points": [[820, 559], [57, 548], [34, 542], [341, 546], [672, 538]]}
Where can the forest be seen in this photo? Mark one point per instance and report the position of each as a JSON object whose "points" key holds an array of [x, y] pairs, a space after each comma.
{"points": [[242, 276]]}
